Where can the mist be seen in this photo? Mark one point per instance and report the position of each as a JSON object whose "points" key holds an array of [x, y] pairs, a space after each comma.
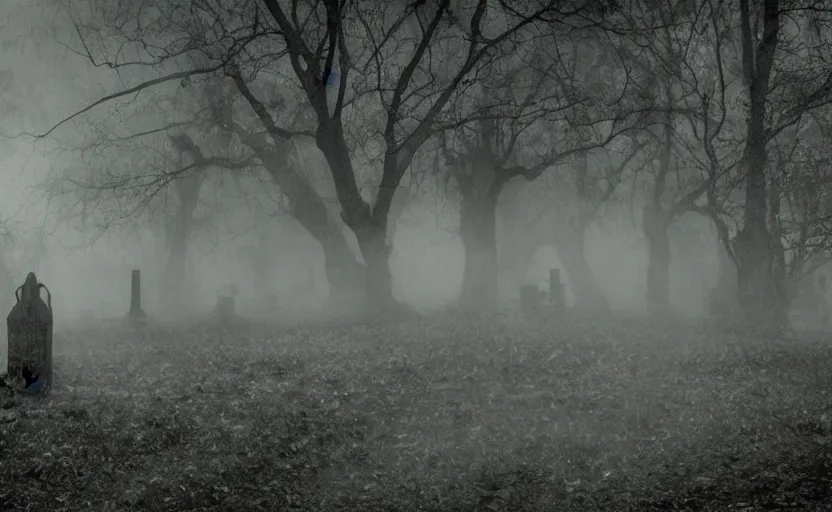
{"points": [[433, 255], [90, 266], [427, 263]]}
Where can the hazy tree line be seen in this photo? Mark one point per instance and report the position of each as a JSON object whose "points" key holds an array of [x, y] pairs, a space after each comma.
{"points": [[541, 113]]}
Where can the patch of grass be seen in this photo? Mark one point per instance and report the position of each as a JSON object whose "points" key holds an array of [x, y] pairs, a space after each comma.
{"points": [[456, 412]]}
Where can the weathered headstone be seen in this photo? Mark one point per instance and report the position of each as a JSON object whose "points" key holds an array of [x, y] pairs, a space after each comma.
{"points": [[226, 305], [556, 289], [29, 327], [136, 314]]}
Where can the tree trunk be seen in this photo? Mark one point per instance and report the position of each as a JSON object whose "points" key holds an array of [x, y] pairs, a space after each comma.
{"points": [[400, 202], [655, 226], [761, 279], [570, 244], [343, 271], [345, 276], [761, 292], [175, 276], [176, 293], [656, 219], [370, 224], [478, 231], [760, 270], [372, 239]]}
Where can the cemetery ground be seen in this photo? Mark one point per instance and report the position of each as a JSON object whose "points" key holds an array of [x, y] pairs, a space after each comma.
{"points": [[442, 414]]}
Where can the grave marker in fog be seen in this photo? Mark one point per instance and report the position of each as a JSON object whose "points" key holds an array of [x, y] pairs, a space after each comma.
{"points": [[226, 302], [534, 297], [29, 327], [556, 288], [136, 313]]}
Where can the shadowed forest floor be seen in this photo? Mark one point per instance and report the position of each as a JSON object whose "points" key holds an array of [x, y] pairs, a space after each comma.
{"points": [[450, 413]]}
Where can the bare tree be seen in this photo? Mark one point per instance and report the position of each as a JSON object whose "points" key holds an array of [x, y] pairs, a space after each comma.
{"points": [[361, 41], [187, 189], [662, 45], [594, 122], [202, 41], [801, 175], [784, 79], [480, 152], [514, 121], [273, 147], [344, 273], [593, 186], [408, 89], [744, 89]]}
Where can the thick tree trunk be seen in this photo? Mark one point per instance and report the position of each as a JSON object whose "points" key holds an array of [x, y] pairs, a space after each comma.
{"points": [[175, 283], [400, 202], [761, 283], [176, 290], [344, 273], [655, 224], [760, 263], [175, 276], [375, 248], [570, 244], [760, 275], [478, 231], [370, 225], [346, 276]]}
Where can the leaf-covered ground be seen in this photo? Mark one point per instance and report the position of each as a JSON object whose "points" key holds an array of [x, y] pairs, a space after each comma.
{"points": [[450, 413]]}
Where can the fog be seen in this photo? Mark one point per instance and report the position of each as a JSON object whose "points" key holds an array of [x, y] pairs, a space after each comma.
{"points": [[348, 220], [246, 234], [89, 270], [427, 262]]}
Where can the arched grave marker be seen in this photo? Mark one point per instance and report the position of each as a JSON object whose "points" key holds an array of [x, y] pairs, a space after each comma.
{"points": [[29, 327]]}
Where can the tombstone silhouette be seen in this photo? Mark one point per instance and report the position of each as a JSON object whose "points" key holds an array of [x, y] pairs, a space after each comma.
{"points": [[29, 327], [556, 290], [136, 315], [226, 307]]}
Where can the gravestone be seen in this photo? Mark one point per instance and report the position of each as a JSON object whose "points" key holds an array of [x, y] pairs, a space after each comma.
{"points": [[226, 302], [556, 288], [29, 327], [136, 314]]}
